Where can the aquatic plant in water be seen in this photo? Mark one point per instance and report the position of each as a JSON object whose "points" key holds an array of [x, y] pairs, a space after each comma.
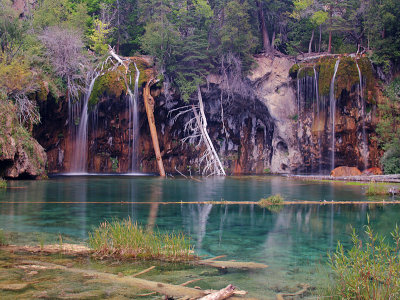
{"points": [[126, 239], [271, 200], [370, 270]]}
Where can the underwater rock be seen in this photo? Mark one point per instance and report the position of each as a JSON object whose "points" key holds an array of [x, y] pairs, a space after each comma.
{"points": [[345, 171]]}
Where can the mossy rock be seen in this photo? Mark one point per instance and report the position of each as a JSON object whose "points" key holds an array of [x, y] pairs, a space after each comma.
{"points": [[325, 68], [305, 71], [112, 83], [293, 71]]}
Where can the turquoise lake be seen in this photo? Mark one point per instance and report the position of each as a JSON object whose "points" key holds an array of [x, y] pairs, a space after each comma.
{"points": [[293, 240]]}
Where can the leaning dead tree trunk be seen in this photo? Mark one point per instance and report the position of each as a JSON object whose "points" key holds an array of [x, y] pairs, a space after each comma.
{"points": [[196, 130], [149, 105], [210, 155]]}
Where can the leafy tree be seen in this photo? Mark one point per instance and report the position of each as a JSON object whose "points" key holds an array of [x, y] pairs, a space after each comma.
{"points": [[236, 34]]}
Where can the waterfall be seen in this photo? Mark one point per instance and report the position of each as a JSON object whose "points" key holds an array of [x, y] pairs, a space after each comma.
{"points": [[318, 120], [332, 101], [79, 156], [362, 101], [134, 121]]}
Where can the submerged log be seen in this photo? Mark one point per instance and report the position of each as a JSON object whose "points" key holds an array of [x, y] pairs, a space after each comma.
{"points": [[232, 264], [159, 287], [176, 291]]}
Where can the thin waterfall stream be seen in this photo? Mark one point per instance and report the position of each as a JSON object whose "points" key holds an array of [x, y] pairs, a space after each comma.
{"points": [[134, 121], [332, 100], [79, 157], [364, 135]]}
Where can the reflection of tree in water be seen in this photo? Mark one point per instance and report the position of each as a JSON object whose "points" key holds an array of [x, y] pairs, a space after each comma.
{"points": [[195, 216]]}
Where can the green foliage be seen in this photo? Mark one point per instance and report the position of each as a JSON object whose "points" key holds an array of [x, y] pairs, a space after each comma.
{"points": [[370, 270], [271, 200], [61, 13], [3, 184], [391, 159], [98, 38], [114, 163], [126, 239], [236, 34]]}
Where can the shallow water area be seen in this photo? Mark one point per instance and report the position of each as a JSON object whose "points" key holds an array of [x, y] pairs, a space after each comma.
{"points": [[292, 239]]}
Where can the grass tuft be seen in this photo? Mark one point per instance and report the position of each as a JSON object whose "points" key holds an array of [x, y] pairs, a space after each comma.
{"points": [[127, 240], [271, 200]]}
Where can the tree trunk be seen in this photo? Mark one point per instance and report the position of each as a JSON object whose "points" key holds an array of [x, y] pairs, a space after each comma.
{"points": [[149, 105], [320, 38], [264, 31], [311, 41], [330, 30]]}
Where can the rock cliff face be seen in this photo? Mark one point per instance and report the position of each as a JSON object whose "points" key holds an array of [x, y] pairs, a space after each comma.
{"points": [[273, 131], [21, 156], [336, 113]]}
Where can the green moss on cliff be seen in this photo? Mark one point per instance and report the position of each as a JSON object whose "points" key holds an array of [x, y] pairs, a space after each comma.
{"points": [[112, 83], [347, 75], [293, 71], [325, 68], [305, 71]]}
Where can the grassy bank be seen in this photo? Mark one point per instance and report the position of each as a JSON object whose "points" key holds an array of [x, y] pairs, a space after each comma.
{"points": [[126, 239]]}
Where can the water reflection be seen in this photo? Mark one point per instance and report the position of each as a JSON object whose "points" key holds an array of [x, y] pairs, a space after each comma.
{"points": [[282, 235]]}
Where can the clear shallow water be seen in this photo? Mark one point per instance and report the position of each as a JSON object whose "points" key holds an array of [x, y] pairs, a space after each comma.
{"points": [[293, 241]]}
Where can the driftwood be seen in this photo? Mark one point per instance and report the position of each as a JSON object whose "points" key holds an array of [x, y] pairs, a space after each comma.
{"points": [[221, 294]]}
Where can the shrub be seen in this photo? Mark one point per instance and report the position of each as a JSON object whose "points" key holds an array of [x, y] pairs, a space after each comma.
{"points": [[370, 270], [391, 160], [126, 239], [271, 200]]}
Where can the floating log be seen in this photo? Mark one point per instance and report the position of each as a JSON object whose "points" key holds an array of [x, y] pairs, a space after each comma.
{"points": [[51, 249]]}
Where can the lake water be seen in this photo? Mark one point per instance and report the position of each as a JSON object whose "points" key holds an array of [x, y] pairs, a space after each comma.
{"points": [[293, 240]]}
